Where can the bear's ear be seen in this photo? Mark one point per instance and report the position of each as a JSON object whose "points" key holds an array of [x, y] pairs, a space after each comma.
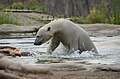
{"points": [[49, 28]]}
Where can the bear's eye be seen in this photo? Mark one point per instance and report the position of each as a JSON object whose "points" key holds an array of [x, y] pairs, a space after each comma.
{"points": [[48, 29]]}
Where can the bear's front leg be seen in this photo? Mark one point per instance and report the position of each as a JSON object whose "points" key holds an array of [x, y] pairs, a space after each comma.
{"points": [[54, 42], [73, 46]]}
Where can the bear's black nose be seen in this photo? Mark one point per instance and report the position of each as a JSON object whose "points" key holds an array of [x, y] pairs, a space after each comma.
{"points": [[37, 43]]}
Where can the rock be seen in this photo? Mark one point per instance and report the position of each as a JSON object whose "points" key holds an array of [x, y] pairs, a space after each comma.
{"points": [[5, 52], [49, 60], [101, 29], [25, 53], [14, 70], [1, 55], [24, 68], [112, 68], [70, 7], [10, 69], [8, 28], [12, 51]]}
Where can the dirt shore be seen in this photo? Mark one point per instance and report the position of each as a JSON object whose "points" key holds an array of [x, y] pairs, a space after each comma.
{"points": [[13, 70]]}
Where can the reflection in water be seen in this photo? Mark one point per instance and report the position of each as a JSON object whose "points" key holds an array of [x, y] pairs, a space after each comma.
{"points": [[108, 47]]}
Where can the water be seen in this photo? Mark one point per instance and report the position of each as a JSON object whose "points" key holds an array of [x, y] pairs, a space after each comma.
{"points": [[108, 48]]}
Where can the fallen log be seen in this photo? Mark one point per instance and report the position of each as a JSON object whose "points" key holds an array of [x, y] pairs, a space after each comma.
{"points": [[7, 64]]}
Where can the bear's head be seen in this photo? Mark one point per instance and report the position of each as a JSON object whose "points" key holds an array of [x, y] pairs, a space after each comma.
{"points": [[46, 32], [43, 35]]}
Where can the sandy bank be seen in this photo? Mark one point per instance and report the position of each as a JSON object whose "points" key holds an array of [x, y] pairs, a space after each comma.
{"points": [[13, 70]]}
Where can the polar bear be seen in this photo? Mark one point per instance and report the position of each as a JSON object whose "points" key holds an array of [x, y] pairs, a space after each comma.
{"points": [[72, 36]]}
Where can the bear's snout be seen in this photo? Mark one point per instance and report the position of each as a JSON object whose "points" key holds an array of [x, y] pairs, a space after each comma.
{"points": [[37, 43]]}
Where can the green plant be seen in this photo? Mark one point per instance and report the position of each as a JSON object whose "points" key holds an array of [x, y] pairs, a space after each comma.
{"points": [[6, 10], [18, 5], [79, 20], [116, 11], [96, 16], [38, 7], [115, 20], [45, 21], [5, 18], [31, 4], [2, 7], [111, 10]]}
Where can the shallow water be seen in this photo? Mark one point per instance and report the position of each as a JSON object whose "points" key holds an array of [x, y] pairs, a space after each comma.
{"points": [[108, 48]]}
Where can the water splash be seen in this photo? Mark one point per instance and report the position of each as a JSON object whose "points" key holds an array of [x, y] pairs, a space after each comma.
{"points": [[64, 54], [75, 54]]}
